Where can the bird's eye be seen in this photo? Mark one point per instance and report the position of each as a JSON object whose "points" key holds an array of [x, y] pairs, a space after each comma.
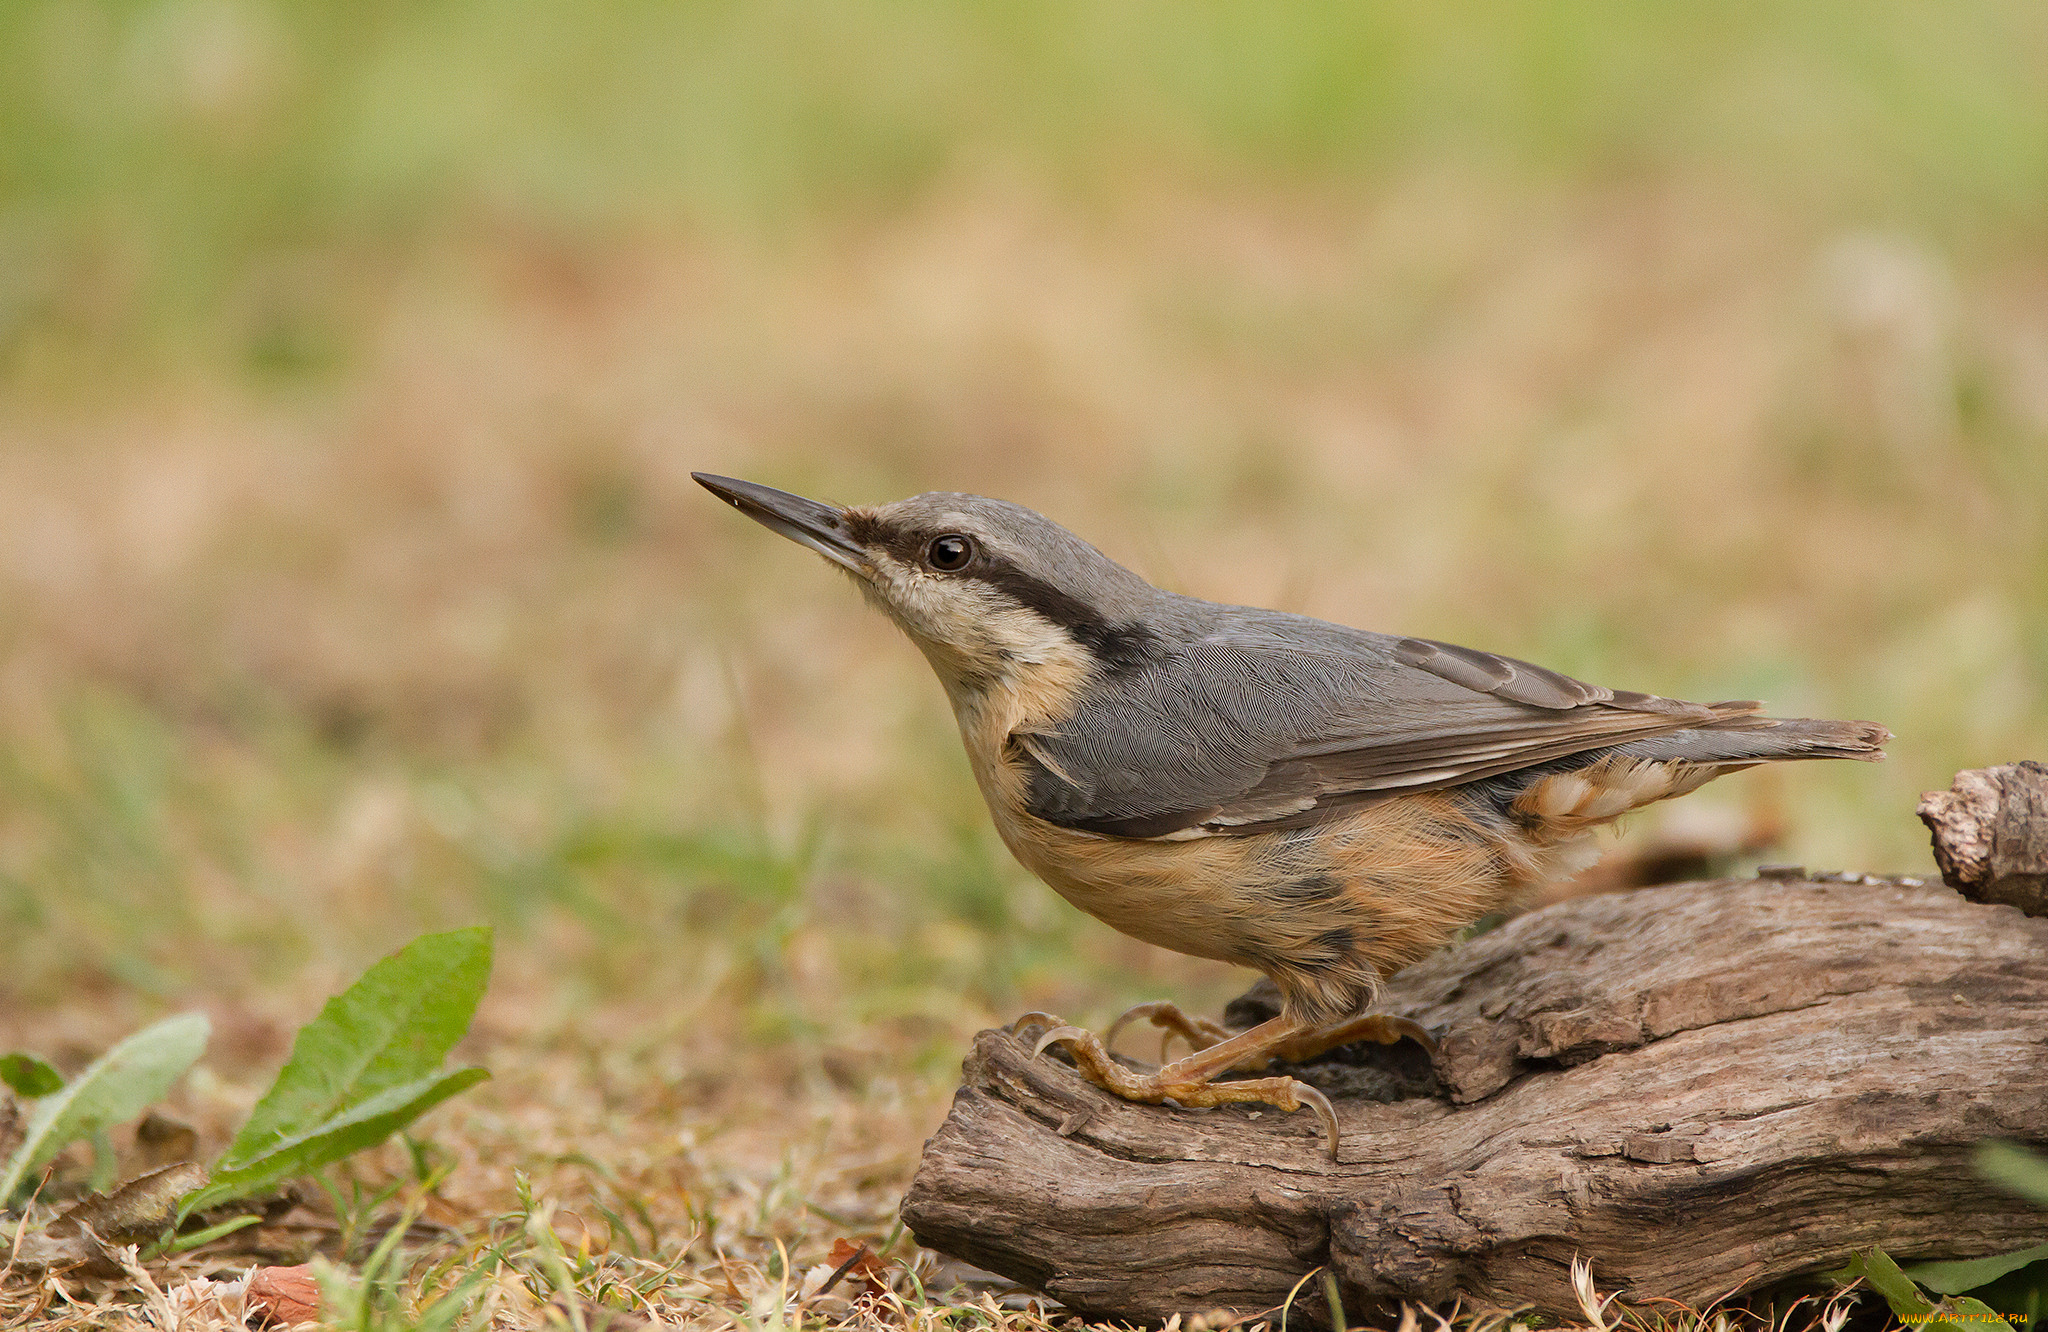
{"points": [[949, 553]]}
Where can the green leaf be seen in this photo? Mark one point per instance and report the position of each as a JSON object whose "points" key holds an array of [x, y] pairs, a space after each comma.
{"points": [[1957, 1277], [28, 1075], [2015, 1169], [120, 1085], [1908, 1303], [390, 1029], [360, 1126], [2022, 1294], [1967, 1315]]}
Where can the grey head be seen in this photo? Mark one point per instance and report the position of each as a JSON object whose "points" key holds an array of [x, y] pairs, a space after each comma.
{"points": [[986, 588]]}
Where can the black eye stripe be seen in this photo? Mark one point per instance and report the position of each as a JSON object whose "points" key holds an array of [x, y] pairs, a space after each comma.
{"points": [[1118, 646]]}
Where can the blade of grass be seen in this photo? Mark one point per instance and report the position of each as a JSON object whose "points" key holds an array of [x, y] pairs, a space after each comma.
{"points": [[182, 1243]]}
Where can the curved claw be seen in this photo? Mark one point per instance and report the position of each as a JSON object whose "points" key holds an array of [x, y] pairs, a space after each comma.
{"points": [[1326, 1112], [1198, 1033], [1034, 1018], [1152, 1011], [1127, 1017], [1059, 1034], [1398, 1029]]}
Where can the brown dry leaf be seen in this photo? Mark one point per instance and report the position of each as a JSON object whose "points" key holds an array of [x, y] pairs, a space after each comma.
{"points": [[35, 1250], [284, 1294], [863, 1265], [139, 1209]]}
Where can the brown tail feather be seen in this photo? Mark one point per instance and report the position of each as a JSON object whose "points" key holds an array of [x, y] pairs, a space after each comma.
{"points": [[1745, 738], [1827, 739]]}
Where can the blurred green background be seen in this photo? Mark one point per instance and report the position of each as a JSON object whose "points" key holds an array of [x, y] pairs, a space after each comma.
{"points": [[353, 359], [163, 159]]}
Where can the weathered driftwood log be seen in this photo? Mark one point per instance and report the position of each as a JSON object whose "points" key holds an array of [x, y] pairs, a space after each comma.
{"points": [[1991, 834], [1701, 1088]]}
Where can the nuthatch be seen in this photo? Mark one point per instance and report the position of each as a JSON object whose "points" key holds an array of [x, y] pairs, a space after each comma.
{"points": [[1322, 804]]}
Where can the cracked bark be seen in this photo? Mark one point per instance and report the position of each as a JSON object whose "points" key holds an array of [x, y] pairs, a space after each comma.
{"points": [[1991, 834], [1702, 1088]]}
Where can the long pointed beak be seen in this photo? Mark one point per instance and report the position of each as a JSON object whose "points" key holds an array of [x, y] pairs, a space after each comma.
{"points": [[807, 522]]}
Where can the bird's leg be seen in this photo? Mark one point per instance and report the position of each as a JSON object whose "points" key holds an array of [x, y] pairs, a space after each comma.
{"points": [[1199, 1033], [1190, 1082], [1385, 1028]]}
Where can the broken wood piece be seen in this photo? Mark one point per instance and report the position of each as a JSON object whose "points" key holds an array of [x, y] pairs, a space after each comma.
{"points": [[1991, 834], [1702, 1089]]}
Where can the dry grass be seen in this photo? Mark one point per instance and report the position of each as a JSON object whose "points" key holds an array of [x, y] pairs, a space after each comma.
{"points": [[305, 652]]}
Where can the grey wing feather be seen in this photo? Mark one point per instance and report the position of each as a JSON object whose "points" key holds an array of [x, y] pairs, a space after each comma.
{"points": [[1256, 725], [1522, 682]]}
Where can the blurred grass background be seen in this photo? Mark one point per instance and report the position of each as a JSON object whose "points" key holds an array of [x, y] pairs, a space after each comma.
{"points": [[353, 360]]}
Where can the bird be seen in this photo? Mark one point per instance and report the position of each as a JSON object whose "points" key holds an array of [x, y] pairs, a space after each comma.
{"points": [[1319, 803]]}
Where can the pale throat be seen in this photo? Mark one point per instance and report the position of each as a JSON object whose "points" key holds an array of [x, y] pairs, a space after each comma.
{"points": [[1014, 681]]}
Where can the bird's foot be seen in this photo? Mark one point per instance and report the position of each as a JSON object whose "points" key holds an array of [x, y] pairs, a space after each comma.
{"points": [[1199, 1033], [1202, 1034], [1190, 1082], [1385, 1028]]}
